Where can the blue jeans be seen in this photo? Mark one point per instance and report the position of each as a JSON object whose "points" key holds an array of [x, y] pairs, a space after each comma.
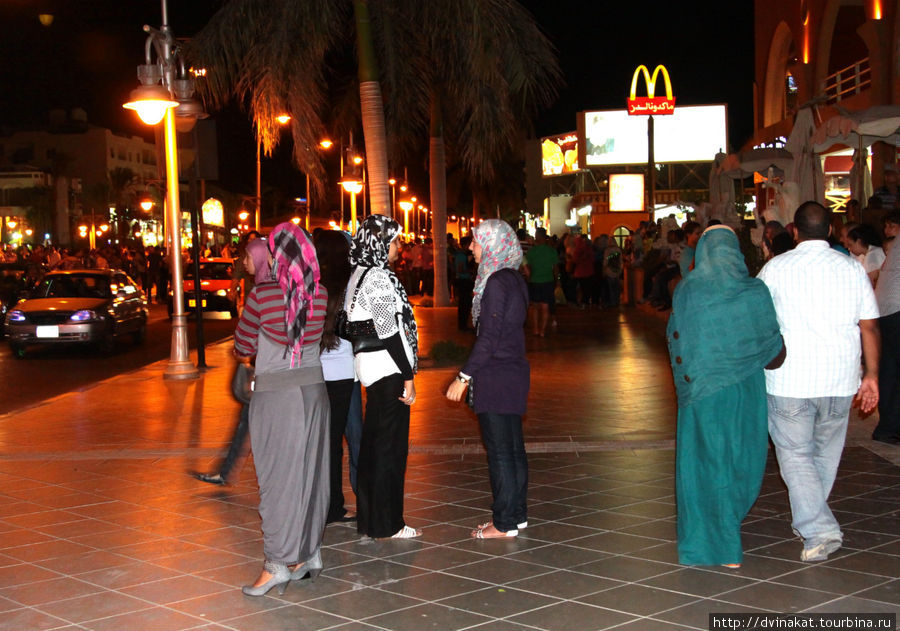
{"points": [[354, 430], [809, 437], [507, 467]]}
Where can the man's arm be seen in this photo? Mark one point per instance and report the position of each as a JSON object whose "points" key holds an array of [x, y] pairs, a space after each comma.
{"points": [[867, 396]]}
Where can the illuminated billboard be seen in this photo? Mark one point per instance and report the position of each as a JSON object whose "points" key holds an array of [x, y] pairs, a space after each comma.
{"points": [[213, 213], [690, 134], [559, 154], [626, 192]]}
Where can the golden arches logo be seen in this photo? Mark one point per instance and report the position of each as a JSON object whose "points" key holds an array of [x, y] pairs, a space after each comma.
{"points": [[651, 104]]}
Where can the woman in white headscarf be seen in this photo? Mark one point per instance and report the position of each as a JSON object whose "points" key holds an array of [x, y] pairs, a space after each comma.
{"points": [[499, 373]]}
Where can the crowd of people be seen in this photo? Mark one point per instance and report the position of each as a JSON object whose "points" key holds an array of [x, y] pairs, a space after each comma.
{"points": [[782, 355], [327, 315]]}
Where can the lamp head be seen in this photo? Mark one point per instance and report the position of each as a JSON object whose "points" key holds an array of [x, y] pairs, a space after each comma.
{"points": [[150, 102], [352, 186]]}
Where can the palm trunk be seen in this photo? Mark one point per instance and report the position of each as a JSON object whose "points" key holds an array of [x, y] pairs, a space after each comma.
{"points": [[372, 108], [437, 179]]}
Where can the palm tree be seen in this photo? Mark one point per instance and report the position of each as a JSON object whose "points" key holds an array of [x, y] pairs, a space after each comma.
{"points": [[488, 68], [274, 56], [473, 68]]}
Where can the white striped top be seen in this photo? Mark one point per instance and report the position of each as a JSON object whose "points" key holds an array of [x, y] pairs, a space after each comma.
{"points": [[820, 296]]}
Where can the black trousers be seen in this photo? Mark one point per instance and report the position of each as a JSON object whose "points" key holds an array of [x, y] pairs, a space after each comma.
{"points": [[463, 287], [382, 459], [507, 467], [889, 378], [339, 397], [238, 443]]}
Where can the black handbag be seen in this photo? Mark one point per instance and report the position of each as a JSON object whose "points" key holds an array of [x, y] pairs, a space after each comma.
{"points": [[360, 333], [241, 382]]}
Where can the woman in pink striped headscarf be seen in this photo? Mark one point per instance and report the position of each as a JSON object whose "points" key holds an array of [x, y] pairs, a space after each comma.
{"points": [[281, 326]]}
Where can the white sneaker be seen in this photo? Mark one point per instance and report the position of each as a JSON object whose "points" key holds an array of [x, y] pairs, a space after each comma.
{"points": [[820, 552], [522, 525]]}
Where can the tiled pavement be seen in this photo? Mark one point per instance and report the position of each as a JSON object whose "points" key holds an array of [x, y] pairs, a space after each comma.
{"points": [[102, 528]]}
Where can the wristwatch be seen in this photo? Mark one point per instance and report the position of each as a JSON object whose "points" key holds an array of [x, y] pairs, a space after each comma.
{"points": [[463, 378]]}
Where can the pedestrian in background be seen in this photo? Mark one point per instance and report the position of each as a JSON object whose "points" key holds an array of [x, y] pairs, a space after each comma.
{"points": [[256, 258], [333, 250]]}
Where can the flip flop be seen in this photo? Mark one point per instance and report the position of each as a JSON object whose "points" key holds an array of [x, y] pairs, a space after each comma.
{"points": [[406, 533], [478, 533]]}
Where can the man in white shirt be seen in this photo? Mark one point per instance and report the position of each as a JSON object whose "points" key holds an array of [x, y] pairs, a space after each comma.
{"points": [[825, 306], [887, 291]]}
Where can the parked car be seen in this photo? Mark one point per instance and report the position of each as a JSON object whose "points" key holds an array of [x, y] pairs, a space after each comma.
{"points": [[215, 286], [16, 279], [88, 306]]}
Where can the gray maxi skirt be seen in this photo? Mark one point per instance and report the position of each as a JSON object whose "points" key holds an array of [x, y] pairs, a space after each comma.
{"points": [[289, 438]]}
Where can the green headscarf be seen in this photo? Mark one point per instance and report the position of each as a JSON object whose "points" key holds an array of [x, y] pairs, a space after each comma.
{"points": [[723, 326]]}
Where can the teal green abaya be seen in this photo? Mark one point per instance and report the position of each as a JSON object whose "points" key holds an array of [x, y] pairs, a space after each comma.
{"points": [[721, 334]]}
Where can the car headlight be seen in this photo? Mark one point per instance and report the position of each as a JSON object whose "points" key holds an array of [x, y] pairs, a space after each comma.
{"points": [[222, 292], [16, 316], [85, 315]]}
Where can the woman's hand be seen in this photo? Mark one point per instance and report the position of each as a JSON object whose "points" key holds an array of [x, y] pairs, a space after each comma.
{"points": [[409, 392], [456, 390]]}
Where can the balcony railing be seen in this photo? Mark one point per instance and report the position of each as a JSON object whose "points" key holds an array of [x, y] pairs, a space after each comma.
{"points": [[847, 81]]}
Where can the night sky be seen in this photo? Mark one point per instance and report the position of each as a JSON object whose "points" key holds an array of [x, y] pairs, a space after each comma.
{"points": [[87, 57]]}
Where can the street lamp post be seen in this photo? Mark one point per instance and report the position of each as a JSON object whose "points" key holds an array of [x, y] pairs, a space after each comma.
{"points": [[354, 187], [283, 119], [155, 102], [406, 206]]}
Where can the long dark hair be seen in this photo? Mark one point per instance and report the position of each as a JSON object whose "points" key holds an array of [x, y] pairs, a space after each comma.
{"points": [[333, 251]]}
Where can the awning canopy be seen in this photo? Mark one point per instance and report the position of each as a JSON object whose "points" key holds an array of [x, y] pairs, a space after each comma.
{"points": [[865, 127]]}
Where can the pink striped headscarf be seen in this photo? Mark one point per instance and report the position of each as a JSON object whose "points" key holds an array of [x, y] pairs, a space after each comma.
{"points": [[296, 268]]}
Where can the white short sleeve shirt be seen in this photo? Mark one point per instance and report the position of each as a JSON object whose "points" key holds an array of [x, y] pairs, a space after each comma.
{"points": [[820, 295]]}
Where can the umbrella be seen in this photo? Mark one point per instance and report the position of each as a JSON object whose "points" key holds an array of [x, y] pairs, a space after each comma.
{"points": [[859, 130], [806, 169], [878, 123]]}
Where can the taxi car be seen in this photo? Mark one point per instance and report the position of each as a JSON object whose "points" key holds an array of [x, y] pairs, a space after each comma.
{"points": [[86, 306], [215, 287]]}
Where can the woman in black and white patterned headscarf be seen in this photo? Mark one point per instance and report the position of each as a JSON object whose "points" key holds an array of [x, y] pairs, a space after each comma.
{"points": [[386, 365]]}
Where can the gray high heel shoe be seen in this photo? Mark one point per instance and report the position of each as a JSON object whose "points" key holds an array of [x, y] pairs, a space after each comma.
{"points": [[281, 576], [312, 566]]}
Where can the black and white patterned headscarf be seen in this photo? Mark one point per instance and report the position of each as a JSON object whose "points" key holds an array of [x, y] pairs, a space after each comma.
{"points": [[370, 248]]}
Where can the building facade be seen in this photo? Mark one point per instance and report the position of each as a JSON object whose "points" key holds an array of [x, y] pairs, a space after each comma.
{"points": [[836, 56]]}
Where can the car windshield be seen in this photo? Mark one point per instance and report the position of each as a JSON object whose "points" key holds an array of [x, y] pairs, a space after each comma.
{"points": [[73, 286], [210, 271]]}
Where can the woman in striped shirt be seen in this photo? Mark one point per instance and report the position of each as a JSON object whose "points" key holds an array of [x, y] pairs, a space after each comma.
{"points": [[281, 325]]}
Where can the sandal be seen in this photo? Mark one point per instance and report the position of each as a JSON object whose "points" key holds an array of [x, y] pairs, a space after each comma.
{"points": [[479, 533], [732, 566], [406, 533]]}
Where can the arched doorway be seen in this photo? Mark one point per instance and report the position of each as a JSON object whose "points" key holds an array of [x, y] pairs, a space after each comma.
{"points": [[782, 56]]}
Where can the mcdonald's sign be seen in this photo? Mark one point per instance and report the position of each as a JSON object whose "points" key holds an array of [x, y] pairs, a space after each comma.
{"points": [[651, 104]]}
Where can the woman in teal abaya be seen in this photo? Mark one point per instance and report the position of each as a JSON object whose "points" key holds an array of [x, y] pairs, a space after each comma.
{"points": [[722, 333]]}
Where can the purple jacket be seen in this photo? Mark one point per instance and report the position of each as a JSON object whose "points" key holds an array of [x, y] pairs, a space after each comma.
{"points": [[497, 362]]}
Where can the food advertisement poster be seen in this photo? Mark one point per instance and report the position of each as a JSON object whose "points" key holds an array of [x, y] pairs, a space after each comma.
{"points": [[559, 154]]}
